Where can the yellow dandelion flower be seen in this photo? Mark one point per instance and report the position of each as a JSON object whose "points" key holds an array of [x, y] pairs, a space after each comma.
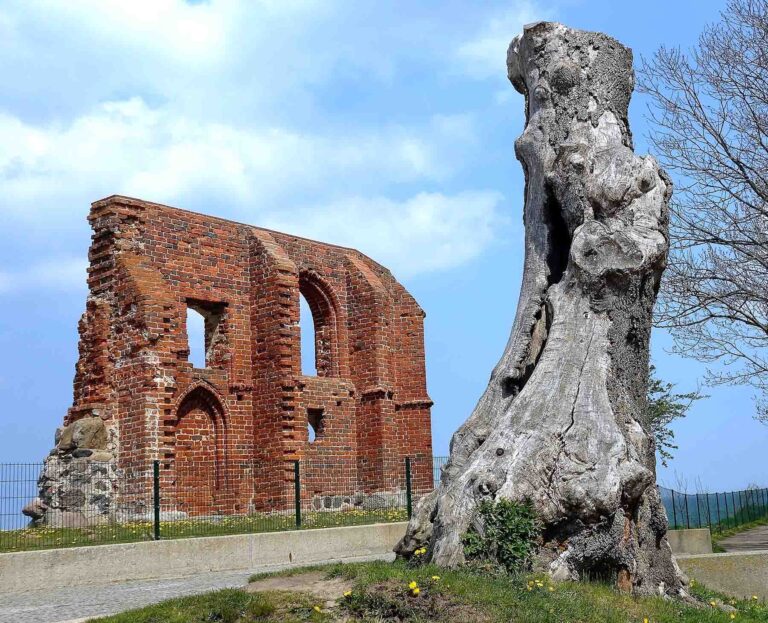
{"points": [[316, 609], [435, 577], [416, 591], [754, 597], [413, 585], [645, 620], [551, 589], [712, 603], [348, 594], [733, 615]]}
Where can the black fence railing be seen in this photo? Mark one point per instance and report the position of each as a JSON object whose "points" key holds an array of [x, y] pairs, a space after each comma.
{"points": [[716, 511], [84, 502]]}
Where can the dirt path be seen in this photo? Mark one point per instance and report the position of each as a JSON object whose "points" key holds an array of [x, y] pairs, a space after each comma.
{"points": [[755, 539], [313, 582]]}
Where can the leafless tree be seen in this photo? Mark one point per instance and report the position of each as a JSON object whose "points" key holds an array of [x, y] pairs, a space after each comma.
{"points": [[710, 112]]}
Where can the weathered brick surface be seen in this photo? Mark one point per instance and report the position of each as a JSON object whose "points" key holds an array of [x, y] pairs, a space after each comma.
{"points": [[250, 405]]}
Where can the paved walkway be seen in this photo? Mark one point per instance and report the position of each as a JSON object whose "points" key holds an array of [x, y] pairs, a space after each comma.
{"points": [[69, 604], [755, 539]]}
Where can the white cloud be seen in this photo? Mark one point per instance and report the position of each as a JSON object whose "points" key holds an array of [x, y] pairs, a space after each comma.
{"points": [[129, 148], [64, 273], [484, 55], [228, 107], [427, 232]]}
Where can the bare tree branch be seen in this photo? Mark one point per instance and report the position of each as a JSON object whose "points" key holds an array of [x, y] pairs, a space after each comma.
{"points": [[710, 112]]}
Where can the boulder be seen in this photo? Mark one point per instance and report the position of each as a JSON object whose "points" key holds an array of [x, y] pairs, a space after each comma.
{"points": [[35, 510], [64, 442], [73, 519], [90, 433]]}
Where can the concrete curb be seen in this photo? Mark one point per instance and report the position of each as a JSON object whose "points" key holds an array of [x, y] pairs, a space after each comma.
{"points": [[690, 541], [754, 552], [741, 574], [108, 564]]}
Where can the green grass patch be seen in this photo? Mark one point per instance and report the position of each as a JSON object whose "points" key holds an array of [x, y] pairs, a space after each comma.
{"points": [[50, 538], [387, 592], [227, 606]]}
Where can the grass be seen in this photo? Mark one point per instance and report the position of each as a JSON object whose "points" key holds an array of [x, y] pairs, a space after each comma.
{"points": [[48, 538], [227, 606], [381, 593]]}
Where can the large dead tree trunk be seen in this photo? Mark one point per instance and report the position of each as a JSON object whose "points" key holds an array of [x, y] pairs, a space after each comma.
{"points": [[562, 421]]}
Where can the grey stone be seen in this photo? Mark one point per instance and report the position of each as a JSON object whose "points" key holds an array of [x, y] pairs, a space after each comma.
{"points": [[55, 518], [90, 432], [101, 501], [374, 502], [74, 498], [102, 456], [35, 510], [81, 453]]}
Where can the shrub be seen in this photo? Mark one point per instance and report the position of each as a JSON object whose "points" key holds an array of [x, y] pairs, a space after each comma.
{"points": [[504, 533]]}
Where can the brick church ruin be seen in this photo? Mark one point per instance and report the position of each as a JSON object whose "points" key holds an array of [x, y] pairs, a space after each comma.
{"points": [[227, 434]]}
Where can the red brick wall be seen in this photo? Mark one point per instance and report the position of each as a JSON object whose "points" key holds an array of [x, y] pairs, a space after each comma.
{"points": [[248, 407]]}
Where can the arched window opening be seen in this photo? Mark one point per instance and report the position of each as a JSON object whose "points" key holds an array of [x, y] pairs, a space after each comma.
{"points": [[307, 330], [314, 423], [318, 326], [196, 337]]}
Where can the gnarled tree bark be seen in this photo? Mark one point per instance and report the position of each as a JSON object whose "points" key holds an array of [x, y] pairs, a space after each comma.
{"points": [[562, 421]]}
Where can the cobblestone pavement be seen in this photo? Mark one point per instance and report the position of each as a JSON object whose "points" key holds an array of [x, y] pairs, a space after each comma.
{"points": [[68, 604]]}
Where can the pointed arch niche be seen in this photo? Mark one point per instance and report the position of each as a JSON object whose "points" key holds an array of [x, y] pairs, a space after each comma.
{"points": [[199, 451]]}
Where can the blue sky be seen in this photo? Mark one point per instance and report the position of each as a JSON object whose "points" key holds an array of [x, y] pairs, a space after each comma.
{"points": [[384, 126]]}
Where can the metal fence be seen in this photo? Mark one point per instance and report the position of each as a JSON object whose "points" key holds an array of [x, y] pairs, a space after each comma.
{"points": [[716, 511], [90, 503]]}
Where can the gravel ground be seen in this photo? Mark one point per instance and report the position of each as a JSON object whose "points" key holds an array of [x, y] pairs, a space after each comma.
{"points": [[77, 604]]}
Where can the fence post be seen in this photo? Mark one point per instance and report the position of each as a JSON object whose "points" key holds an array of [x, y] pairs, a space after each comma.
{"points": [[733, 503], [408, 491], [744, 503], [727, 514], [698, 511], [687, 513], [297, 491], [674, 511], [719, 518], [156, 499], [709, 513]]}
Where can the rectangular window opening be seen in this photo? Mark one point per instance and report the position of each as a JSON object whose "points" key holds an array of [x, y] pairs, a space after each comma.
{"points": [[203, 332]]}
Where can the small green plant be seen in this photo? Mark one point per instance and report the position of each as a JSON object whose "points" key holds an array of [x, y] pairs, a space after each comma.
{"points": [[504, 533]]}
